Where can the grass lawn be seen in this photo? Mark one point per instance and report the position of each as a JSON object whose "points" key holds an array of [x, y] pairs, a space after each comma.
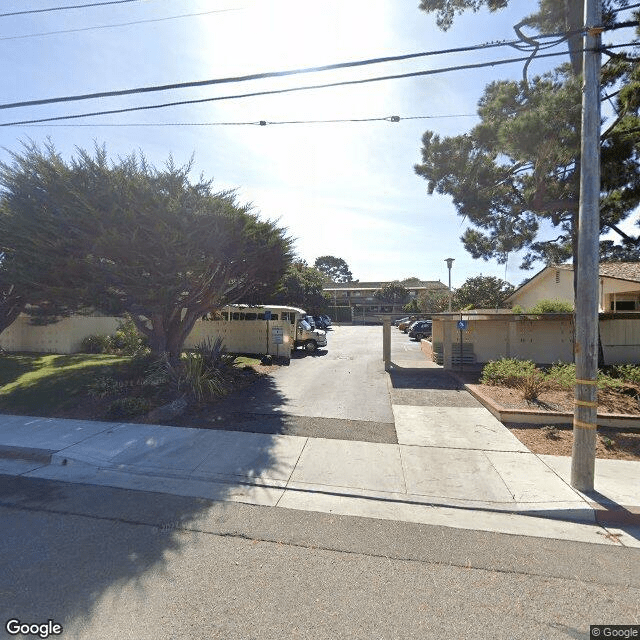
{"points": [[41, 383], [44, 384]]}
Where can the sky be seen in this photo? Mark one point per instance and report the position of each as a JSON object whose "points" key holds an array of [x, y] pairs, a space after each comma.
{"points": [[345, 189]]}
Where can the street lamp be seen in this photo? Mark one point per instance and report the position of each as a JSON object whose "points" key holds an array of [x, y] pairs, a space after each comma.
{"points": [[449, 262]]}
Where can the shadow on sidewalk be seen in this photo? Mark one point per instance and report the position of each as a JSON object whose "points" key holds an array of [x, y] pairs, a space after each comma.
{"points": [[421, 378]]}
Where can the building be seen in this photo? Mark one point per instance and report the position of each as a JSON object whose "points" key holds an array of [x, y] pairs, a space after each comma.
{"points": [[365, 307], [619, 287]]}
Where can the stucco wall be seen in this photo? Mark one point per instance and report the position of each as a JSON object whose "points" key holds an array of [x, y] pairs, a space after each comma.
{"points": [[545, 287], [543, 339], [66, 336]]}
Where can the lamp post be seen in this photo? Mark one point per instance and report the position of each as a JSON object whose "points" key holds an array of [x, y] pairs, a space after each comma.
{"points": [[449, 262]]}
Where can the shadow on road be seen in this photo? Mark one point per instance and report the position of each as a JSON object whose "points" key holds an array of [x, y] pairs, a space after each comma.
{"points": [[70, 549], [299, 354]]}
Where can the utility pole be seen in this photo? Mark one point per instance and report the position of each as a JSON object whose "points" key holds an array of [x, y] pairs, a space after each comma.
{"points": [[586, 340]]}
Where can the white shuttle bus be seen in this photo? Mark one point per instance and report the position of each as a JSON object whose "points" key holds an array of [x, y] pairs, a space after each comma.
{"points": [[272, 329]]}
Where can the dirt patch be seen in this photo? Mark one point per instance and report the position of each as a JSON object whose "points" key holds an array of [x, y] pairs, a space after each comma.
{"points": [[609, 400], [557, 440]]}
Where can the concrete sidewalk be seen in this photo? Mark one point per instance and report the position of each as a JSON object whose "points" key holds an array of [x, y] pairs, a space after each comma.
{"points": [[453, 466]]}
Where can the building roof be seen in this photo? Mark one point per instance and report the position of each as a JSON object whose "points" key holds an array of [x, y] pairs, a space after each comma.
{"points": [[629, 271], [351, 286], [621, 270]]}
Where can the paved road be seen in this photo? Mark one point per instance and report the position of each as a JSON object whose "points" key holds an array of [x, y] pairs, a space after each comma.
{"points": [[109, 563], [340, 392]]}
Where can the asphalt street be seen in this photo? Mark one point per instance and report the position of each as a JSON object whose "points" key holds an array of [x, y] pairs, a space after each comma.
{"points": [[107, 563]]}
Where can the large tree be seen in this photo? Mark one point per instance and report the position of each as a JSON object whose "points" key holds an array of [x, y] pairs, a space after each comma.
{"points": [[124, 236], [334, 269], [518, 171], [392, 293], [481, 292], [301, 286]]}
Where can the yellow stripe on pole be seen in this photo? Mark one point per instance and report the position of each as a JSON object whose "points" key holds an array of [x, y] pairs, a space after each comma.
{"points": [[594, 382], [584, 425], [586, 403]]}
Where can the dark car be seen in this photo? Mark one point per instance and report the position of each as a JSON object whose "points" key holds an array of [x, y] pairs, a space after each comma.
{"points": [[420, 329], [321, 323]]}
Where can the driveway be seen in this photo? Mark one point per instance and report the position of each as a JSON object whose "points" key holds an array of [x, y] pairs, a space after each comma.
{"points": [[340, 392]]}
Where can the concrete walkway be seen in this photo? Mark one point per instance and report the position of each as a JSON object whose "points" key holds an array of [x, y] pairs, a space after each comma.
{"points": [[454, 465], [457, 468]]}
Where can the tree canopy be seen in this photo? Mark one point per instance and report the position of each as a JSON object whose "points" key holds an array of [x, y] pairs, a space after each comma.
{"points": [[516, 174], [124, 236], [481, 292], [301, 286], [334, 269], [392, 293]]}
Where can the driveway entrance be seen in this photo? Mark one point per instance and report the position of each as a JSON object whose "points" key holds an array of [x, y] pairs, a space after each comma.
{"points": [[340, 392]]}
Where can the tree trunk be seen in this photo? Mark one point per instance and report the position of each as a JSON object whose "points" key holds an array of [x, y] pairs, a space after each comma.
{"points": [[10, 309], [168, 331]]}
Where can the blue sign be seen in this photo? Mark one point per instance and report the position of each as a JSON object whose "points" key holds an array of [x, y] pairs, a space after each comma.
{"points": [[462, 325], [267, 315]]}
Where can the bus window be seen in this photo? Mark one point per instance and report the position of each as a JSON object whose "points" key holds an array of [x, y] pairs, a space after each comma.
{"points": [[250, 316]]}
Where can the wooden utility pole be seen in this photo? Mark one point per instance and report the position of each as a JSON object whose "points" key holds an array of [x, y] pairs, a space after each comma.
{"points": [[586, 341]]}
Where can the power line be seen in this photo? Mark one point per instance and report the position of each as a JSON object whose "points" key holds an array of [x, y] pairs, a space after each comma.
{"points": [[343, 83], [71, 6], [254, 76], [113, 26], [260, 123]]}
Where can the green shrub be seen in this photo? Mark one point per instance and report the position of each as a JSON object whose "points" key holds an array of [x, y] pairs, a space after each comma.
{"points": [[517, 309], [97, 344], [627, 372], [128, 407], [562, 375], [508, 372], [127, 340], [551, 306], [532, 385], [214, 354], [190, 377]]}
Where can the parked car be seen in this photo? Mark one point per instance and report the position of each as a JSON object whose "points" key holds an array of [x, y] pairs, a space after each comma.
{"points": [[327, 320], [311, 321], [399, 320], [404, 325], [420, 329], [321, 323]]}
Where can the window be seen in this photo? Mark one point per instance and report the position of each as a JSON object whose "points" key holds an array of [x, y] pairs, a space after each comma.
{"points": [[557, 277], [623, 305]]}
